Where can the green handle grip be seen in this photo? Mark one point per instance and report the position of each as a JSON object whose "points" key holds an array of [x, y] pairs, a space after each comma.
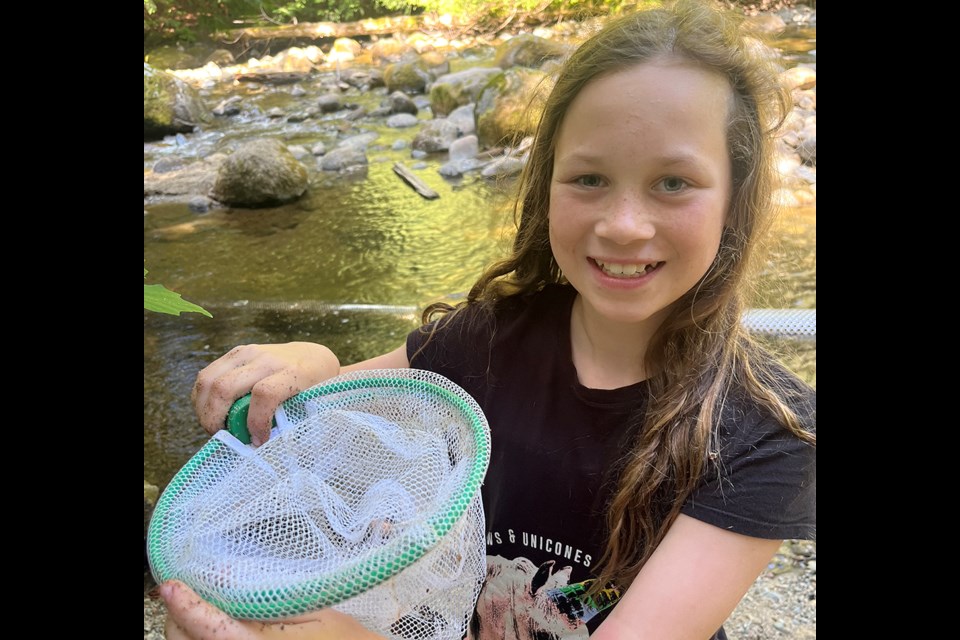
{"points": [[237, 419]]}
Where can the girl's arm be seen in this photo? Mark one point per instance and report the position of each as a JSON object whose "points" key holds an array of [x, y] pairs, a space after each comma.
{"points": [[690, 585], [271, 373]]}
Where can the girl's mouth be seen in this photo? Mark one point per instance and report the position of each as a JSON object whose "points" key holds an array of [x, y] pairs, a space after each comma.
{"points": [[626, 270]]}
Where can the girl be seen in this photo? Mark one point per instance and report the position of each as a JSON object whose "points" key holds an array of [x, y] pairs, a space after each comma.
{"points": [[648, 456]]}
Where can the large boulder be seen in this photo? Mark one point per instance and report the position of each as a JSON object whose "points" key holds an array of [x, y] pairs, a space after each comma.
{"points": [[457, 89], [170, 105], [528, 50], [509, 106], [408, 75], [260, 173]]}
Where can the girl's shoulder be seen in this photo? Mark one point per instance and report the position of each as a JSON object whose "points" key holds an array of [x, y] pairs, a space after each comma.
{"points": [[761, 478], [795, 393]]}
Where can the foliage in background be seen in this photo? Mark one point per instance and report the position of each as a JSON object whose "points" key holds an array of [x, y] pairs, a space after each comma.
{"points": [[157, 297], [190, 20]]}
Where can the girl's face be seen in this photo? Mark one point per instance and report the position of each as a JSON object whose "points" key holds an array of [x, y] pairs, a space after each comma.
{"points": [[640, 188]]}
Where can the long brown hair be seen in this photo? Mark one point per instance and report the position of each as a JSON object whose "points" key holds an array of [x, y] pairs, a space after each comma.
{"points": [[701, 352]]}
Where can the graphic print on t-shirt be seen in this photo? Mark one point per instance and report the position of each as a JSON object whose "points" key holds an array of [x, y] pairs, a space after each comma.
{"points": [[522, 601]]}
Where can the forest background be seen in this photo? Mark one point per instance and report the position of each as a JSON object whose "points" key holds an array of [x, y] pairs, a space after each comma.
{"points": [[185, 21]]}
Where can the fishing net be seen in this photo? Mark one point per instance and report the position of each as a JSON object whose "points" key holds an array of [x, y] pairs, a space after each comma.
{"points": [[366, 498]]}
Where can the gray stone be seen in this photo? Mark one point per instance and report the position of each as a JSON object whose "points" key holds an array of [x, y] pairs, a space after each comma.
{"points": [[399, 102], [343, 158], [402, 120], [465, 147], [329, 103], [435, 135], [199, 204], [258, 173]]}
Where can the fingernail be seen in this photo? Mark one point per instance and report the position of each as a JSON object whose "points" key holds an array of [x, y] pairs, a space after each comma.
{"points": [[166, 590], [256, 440]]}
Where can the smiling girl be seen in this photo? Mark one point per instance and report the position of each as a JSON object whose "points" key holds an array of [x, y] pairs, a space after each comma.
{"points": [[648, 456]]}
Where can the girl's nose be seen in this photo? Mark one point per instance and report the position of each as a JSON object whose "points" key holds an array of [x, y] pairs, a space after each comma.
{"points": [[626, 220]]}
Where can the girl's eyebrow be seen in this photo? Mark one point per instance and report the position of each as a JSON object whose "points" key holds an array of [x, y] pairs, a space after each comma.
{"points": [[682, 158]]}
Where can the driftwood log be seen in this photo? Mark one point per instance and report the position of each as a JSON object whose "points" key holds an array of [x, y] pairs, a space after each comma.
{"points": [[418, 185]]}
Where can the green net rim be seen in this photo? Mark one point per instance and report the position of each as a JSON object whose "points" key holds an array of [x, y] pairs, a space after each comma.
{"points": [[368, 570]]}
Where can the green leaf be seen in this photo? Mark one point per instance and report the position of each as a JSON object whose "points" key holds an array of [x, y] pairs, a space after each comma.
{"points": [[157, 297]]}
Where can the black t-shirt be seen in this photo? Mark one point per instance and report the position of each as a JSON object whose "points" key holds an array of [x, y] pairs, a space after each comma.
{"points": [[554, 443]]}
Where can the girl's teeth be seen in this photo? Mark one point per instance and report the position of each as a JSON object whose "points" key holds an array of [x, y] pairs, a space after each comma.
{"points": [[624, 269]]}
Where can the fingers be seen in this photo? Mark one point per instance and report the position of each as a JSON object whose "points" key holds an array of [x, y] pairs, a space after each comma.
{"points": [[219, 385], [272, 373], [265, 399], [242, 370], [191, 618]]}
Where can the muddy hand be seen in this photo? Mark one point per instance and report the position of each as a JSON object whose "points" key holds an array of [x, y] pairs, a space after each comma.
{"points": [[271, 372], [191, 618]]}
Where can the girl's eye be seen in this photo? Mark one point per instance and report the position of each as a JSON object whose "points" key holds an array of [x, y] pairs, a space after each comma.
{"points": [[672, 184], [589, 181]]}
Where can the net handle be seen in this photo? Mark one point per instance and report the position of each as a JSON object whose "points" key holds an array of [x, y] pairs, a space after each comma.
{"points": [[236, 421]]}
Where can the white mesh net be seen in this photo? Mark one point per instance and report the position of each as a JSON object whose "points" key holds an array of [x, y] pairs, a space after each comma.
{"points": [[799, 324], [366, 498]]}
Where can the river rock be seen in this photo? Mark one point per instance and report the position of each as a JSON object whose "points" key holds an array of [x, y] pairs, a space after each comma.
{"points": [[799, 77], [170, 105], [463, 117], [389, 50], [294, 60], [409, 76], [465, 147], [402, 120], [435, 135], [399, 102], [456, 89], [509, 106], [228, 106], [329, 102], [528, 50], [196, 178], [221, 58], [261, 172], [765, 23], [343, 158], [363, 79], [344, 49]]}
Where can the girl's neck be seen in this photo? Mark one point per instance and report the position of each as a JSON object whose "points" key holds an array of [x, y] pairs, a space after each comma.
{"points": [[608, 355]]}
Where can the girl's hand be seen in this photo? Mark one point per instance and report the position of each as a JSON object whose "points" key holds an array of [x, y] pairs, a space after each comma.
{"points": [[272, 372], [191, 618]]}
